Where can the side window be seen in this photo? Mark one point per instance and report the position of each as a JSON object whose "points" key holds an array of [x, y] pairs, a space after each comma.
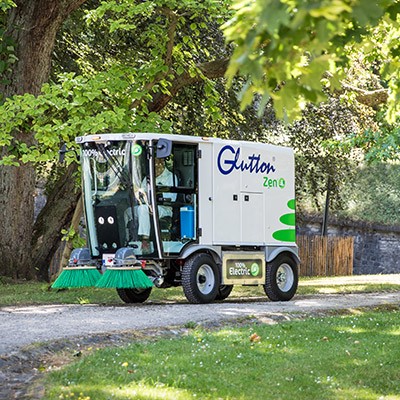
{"points": [[184, 165]]}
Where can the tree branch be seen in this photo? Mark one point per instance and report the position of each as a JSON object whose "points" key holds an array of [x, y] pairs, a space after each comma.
{"points": [[210, 70], [371, 98], [173, 18], [72, 5]]}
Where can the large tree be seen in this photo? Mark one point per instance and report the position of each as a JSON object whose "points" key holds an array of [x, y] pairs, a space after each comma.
{"points": [[28, 34], [150, 52]]}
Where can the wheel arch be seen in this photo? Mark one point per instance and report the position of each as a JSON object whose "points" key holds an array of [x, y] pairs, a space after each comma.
{"points": [[273, 253], [214, 252]]}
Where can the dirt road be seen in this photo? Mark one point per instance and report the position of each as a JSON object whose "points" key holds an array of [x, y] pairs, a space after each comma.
{"points": [[21, 326]]}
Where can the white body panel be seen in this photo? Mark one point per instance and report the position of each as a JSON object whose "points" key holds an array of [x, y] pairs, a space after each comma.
{"points": [[246, 190], [251, 188]]}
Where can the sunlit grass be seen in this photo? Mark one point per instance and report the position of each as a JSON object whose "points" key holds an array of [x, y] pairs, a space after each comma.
{"points": [[353, 356], [28, 293], [348, 288], [139, 390], [40, 293]]}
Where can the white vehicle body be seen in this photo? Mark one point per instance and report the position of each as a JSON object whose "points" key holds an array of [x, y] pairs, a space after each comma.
{"points": [[238, 208]]}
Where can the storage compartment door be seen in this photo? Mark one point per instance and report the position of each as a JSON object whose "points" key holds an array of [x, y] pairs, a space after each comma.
{"points": [[226, 215], [253, 218], [226, 203]]}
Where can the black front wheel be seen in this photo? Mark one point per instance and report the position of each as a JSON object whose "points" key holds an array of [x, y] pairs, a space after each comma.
{"points": [[282, 278], [200, 279], [134, 295]]}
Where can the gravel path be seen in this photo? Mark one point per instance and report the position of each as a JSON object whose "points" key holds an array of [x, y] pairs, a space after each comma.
{"points": [[30, 335], [21, 326]]}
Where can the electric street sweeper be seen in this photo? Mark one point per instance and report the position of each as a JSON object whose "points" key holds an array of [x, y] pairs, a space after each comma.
{"points": [[169, 210]]}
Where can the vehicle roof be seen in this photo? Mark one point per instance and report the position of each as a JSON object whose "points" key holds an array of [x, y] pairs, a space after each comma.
{"points": [[156, 136]]}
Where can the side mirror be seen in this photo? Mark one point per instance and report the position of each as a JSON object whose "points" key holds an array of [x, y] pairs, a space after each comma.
{"points": [[164, 148], [61, 153]]}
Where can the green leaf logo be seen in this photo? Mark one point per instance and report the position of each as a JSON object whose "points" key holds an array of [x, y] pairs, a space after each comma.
{"points": [[287, 235], [137, 150], [254, 269]]}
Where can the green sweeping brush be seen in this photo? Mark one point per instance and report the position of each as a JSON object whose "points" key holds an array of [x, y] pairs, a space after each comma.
{"points": [[77, 277], [124, 278]]}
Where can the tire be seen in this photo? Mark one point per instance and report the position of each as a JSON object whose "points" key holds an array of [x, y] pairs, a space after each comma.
{"points": [[223, 292], [282, 278], [200, 279], [134, 295]]}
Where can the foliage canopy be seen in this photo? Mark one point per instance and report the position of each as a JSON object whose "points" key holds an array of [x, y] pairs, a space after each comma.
{"points": [[295, 51], [128, 61]]}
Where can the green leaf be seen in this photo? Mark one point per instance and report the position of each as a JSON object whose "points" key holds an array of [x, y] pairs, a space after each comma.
{"points": [[331, 11], [366, 12]]}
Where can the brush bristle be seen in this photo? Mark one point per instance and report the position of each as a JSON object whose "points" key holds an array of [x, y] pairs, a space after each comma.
{"points": [[77, 277], [124, 279]]}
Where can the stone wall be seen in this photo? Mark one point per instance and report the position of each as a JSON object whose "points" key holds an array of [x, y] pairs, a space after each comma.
{"points": [[376, 247]]}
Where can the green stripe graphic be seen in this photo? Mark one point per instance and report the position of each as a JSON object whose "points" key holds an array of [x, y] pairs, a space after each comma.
{"points": [[287, 235]]}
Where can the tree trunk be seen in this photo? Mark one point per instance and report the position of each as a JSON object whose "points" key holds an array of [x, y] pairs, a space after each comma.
{"points": [[16, 215], [55, 216], [32, 25], [67, 247]]}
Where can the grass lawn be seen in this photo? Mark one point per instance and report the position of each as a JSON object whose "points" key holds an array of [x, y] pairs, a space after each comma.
{"points": [[30, 293], [333, 357]]}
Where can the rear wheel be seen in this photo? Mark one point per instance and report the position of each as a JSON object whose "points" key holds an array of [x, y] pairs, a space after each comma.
{"points": [[282, 278], [223, 292], [200, 279], [134, 295]]}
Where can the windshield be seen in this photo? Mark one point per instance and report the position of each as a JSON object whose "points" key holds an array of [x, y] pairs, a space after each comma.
{"points": [[116, 187]]}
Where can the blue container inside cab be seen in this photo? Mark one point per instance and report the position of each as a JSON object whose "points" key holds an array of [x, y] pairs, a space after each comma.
{"points": [[187, 222]]}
